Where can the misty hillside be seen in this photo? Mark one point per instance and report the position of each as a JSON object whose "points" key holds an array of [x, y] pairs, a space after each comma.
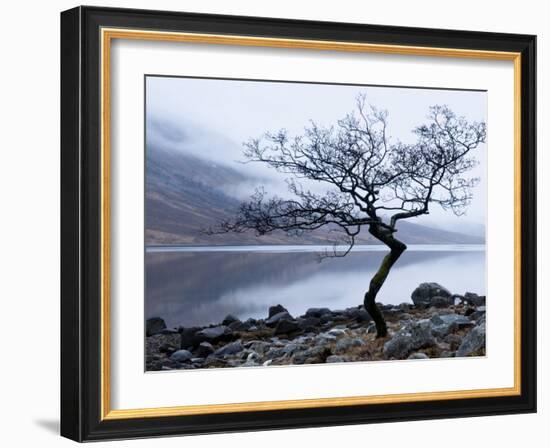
{"points": [[185, 194]]}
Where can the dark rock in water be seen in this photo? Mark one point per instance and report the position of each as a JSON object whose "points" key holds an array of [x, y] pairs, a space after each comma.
{"points": [[276, 309], [422, 296], [414, 336], [472, 342], [188, 338], [229, 319], [214, 334], [181, 356], [286, 326], [229, 349], [317, 312], [204, 349], [154, 325], [272, 321], [472, 298]]}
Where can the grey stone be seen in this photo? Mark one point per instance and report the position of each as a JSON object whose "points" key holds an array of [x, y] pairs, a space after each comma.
{"points": [[335, 358], [414, 336], [167, 348], [276, 309], [314, 354], [337, 332], [317, 312], [214, 334], [229, 319], [230, 349], [205, 349], [188, 338], [258, 346], [273, 320], [423, 294], [454, 341], [478, 313], [474, 299], [344, 344], [154, 325], [286, 326], [418, 355], [308, 323], [181, 356], [441, 302], [472, 342], [362, 316], [168, 331], [443, 324]]}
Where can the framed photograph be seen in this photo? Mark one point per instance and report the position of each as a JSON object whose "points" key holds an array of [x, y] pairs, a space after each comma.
{"points": [[273, 223]]}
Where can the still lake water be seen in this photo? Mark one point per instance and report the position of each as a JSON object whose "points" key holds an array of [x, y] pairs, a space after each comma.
{"points": [[201, 285]]}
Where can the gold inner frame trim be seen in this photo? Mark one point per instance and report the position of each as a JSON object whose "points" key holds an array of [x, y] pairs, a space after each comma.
{"points": [[107, 35]]}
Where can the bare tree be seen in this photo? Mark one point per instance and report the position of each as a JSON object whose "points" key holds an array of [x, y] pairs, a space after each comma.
{"points": [[371, 182]]}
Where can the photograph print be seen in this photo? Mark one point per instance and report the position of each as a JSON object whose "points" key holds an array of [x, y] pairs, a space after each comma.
{"points": [[291, 223]]}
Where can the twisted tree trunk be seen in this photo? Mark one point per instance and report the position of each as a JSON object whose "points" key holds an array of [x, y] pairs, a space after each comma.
{"points": [[396, 249]]}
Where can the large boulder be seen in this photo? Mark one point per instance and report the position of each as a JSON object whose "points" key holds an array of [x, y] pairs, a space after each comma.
{"points": [[472, 298], [423, 295], [345, 344], [286, 326], [309, 323], [473, 342], [276, 309], [443, 324], [189, 338], [317, 312], [229, 319], [273, 320], [181, 356], [412, 337], [230, 349], [154, 325], [205, 349], [359, 314], [214, 334]]}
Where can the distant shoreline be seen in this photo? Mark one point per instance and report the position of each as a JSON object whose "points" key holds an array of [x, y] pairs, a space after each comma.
{"points": [[435, 247]]}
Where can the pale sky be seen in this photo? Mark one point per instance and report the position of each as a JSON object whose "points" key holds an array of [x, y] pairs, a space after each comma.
{"points": [[217, 116]]}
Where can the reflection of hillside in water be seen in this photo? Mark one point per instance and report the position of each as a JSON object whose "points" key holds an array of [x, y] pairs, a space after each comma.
{"points": [[201, 288]]}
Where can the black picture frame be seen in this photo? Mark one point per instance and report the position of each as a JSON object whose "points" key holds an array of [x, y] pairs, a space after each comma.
{"points": [[81, 224]]}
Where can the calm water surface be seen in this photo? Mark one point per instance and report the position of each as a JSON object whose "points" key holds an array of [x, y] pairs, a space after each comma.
{"points": [[201, 285]]}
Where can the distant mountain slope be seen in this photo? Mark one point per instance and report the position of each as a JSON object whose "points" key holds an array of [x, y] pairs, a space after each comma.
{"points": [[185, 194]]}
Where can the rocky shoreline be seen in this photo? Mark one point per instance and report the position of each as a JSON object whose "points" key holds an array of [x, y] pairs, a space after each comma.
{"points": [[437, 324]]}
